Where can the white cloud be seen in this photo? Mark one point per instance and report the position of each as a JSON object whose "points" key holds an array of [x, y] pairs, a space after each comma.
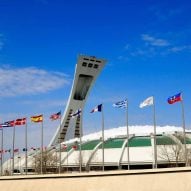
{"points": [[46, 103], [176, 49], [29, 81], [154, 41]]}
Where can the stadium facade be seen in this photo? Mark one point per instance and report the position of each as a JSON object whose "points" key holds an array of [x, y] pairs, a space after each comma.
{"points": [[170, 152]]}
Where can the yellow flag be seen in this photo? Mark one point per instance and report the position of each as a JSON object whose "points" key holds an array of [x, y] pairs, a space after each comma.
{"points": [[37, 119]]}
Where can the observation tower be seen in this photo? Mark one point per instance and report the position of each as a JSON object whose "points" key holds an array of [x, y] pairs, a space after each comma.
{"points": [[86, 72]]}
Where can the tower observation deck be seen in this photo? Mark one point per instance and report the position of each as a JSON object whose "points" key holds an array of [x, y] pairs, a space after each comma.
{"points": [[86, 72]]}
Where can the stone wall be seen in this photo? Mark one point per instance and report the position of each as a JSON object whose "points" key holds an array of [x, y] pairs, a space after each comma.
{"points": [[173, 179]]}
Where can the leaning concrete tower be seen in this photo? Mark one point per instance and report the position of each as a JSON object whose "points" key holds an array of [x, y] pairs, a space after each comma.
{"points": [[86, 72]]}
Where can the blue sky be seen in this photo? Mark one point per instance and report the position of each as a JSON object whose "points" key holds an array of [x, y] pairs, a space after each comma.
{"points": [[147, 45]]}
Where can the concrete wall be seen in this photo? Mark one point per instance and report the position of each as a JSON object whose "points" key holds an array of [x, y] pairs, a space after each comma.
{"points": [[174, 179]]}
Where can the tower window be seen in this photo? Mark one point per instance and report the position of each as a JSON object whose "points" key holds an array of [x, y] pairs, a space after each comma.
{"points": [[84, 64], [90, 65], [96, 66]]}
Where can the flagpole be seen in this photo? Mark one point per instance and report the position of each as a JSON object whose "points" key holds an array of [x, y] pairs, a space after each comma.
{"points": [[155, 143], [102, 138], [26, 149], [7, 164], [80, 141], [13, 154], [2, 151], [128, 165], [184, 133], [67, 158], [60, 147], [10, 162], [41, 162]]}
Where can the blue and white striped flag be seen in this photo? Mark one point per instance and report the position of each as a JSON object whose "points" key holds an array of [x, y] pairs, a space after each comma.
{"points": [[121, 104], [77, 113]]}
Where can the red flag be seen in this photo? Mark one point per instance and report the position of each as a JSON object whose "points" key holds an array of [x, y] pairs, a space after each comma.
{"points": [[1, 151], [55, 116], [11, 123], [20, 121], [16, 150], [74, 147], [175, 98]]}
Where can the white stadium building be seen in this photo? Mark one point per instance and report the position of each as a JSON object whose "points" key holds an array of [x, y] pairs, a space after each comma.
{"points": [[170, 151]]}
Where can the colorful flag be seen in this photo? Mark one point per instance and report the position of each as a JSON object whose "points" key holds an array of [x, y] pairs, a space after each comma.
{"points": [[37, 118], [64, 146], [75, 147], [16, 150], [149, 101], [55, 116], [120, 104], [97, 109], [7, 124], [1, 151], [76, 113], [8, 151], [20, 121], [175, 98]]}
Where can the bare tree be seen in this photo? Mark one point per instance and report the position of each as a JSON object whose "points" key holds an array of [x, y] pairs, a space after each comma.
{"points": [[49, 163], [172, 154]]}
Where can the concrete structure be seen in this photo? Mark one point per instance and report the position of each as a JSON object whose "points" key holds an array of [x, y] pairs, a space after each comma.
{"points": [[170, 152], [177, 179], [86, 72]]}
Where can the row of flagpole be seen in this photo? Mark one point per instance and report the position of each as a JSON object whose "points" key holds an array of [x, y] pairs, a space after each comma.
{"points": [[121, 104], [23, 121], [147, 102], [171, 100]]}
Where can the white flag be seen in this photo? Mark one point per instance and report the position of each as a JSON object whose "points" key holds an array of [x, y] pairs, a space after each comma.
{"points": [[149, 101]]}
